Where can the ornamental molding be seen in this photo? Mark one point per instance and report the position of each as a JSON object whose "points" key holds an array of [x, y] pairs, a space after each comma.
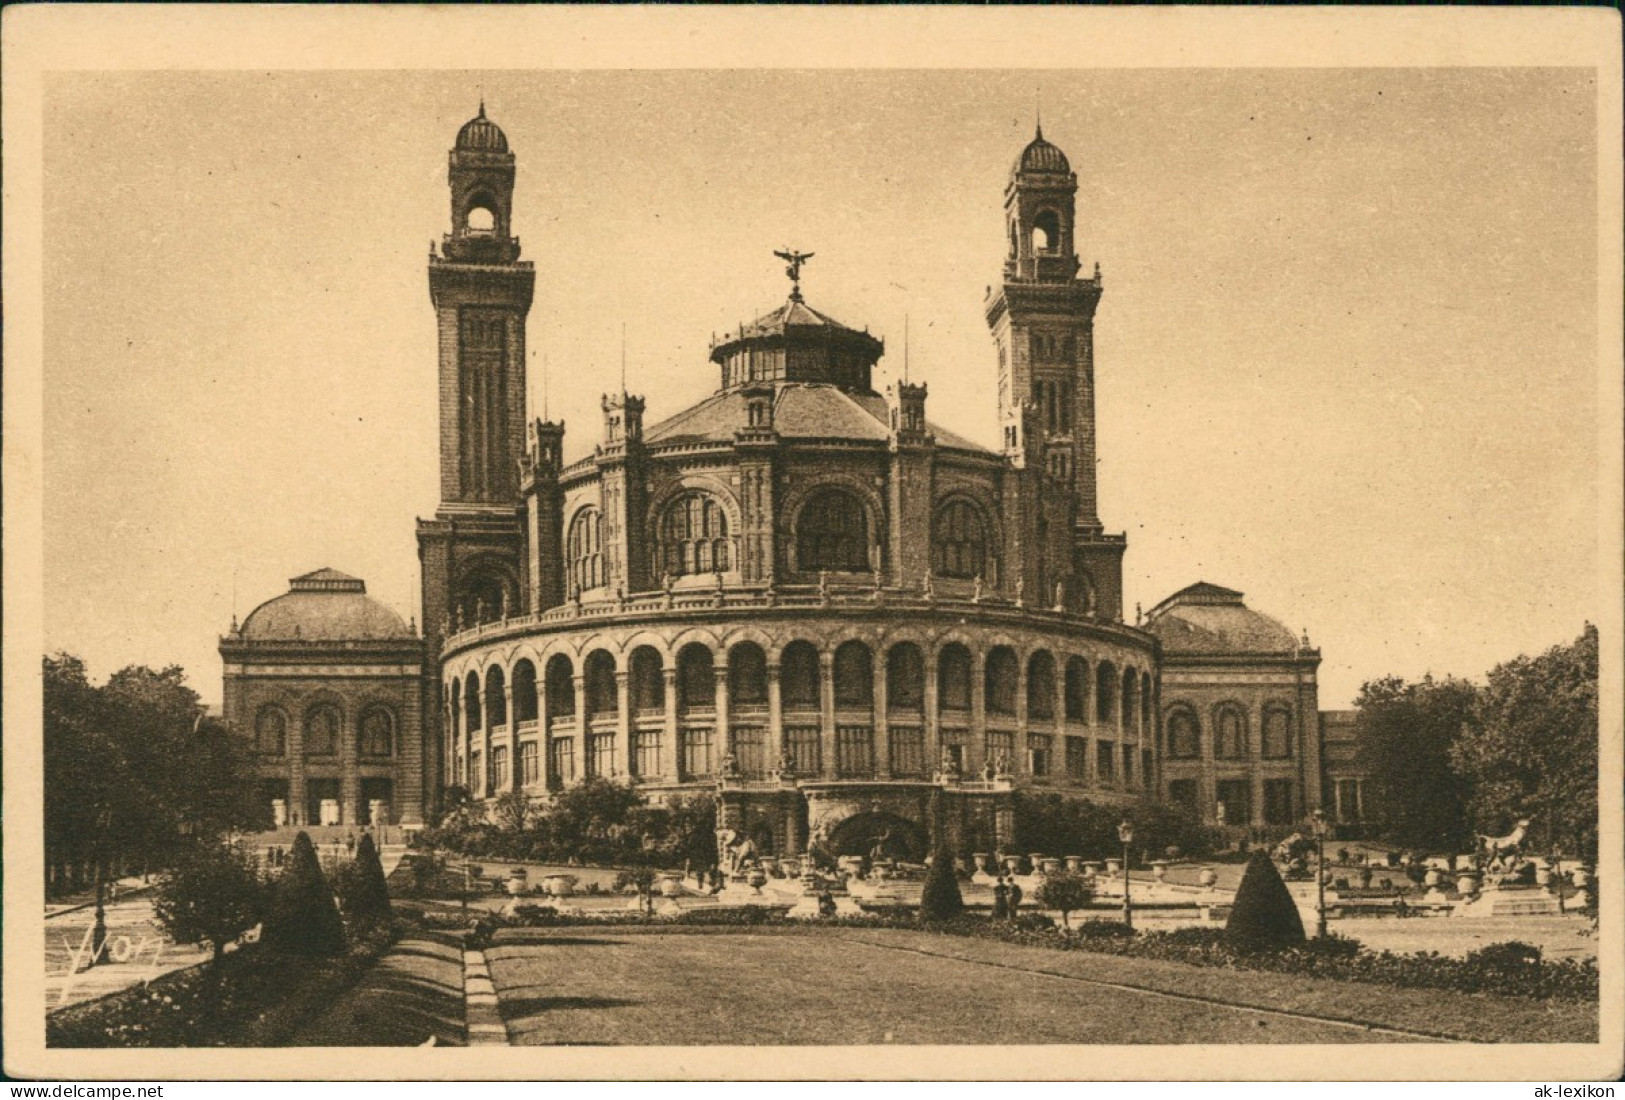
{"points": [[346, 671], [1199, 678]]}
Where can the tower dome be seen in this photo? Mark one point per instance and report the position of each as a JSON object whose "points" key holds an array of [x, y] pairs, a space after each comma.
{"points": [[480, 134], [1041, 156]]}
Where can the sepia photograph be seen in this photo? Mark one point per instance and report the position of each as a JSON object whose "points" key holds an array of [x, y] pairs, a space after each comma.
{"points": [[964, 566]]}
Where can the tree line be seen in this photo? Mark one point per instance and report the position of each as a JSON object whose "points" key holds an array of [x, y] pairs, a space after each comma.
{"points": [[1451, 759], [134, 771]]}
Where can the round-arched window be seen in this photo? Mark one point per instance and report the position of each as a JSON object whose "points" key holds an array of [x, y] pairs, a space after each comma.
{"points": [[378, 733], [271, 732], [959, 541], [1231, 742], [693, 536], [832, 533], [1183, 740], [586, 548], [322, 731]]}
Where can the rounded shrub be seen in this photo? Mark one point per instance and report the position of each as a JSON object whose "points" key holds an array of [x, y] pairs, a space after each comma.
{"points": [[303, 919], [1264, 916]]}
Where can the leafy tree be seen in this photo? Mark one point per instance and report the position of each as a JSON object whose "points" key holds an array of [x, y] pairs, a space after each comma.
{"points": [[1532, 750], [595, 819], [511, 811], [1405, 735], [1264, 916], [302, 918], [132, 769], [1066, 892], [212, 895]]}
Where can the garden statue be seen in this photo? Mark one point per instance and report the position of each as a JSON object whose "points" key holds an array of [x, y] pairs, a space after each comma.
{"points": [[1021, 591], [504, 605], [928, 589], [976, 588], [1498, 846], [947, 766], [480, 608], [730, 765], [1001, 764], [1060, 595], [459, 616]]}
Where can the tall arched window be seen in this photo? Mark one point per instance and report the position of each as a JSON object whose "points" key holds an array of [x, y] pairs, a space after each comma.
{"points": [[696, 678], [1046, 232], [1277, 734], [322, 731], [1105, 693], [496, 697], [561, 687], [905, 678], [1077, 690], [747, 675], [1131, 698], [524, 691], [693, 536], [1041, 686], [854, 676], [953, 677], [378, 733], [832, 533], [1000, 678], [586, 549], [959, 541], [603, 695], [648, 680], [271, 732], [1184, 742], [471, 701], [798, 673], [1230, 739]]}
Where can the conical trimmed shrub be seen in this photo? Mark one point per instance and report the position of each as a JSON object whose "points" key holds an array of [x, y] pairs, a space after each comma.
{"points": [[1264, 916], [369, 902], [940, 898], [303, 919]]}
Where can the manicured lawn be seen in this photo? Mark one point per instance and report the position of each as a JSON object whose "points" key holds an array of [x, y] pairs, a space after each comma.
{"points": [[586, 985], [414, 992]]}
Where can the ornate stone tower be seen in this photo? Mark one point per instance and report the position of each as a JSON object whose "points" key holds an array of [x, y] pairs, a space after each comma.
{"points": [[472, 555], [1042, 318]]}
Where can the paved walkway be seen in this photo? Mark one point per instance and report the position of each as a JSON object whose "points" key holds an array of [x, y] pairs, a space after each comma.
{"points": [[412, 997]]}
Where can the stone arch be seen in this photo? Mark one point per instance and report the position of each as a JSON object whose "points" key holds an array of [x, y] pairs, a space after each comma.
{"points": [[965, 538], [1041, 685], [523, 681], [1077, 689], [379, 733], [323, 725], [956, 665], [696, 677], [905, 676], [897, 836], [1105, 692], [496, 696], [271, 727], [1230, 735], [559, 678], [603, 694], [485, 581], [646, 666], [1183, 735], [747, 674], [854, 673], [1001, 677], [800, 673], [868, 498]]}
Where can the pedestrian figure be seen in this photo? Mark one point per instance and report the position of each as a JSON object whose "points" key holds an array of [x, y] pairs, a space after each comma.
{"points": [[1001, 900], [1015, 899]]}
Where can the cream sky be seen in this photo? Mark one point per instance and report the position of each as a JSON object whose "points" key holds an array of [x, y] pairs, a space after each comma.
{"points": [[1346, 355]]}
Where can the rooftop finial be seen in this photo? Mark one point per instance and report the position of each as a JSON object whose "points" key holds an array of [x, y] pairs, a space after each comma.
{"points": [[795, 260], [1038, 116], [482, 104]]}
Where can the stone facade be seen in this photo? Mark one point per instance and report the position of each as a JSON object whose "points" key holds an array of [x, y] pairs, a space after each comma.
{"points": [[1240, 712], [799, 593], [327, 685]]}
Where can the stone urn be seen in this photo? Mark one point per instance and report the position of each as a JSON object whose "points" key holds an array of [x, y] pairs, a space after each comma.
{"points": [[850, 865], [1113, 866], [1093, 868], [1208, 878], [1034, 861], [518, 880], [791, 868], [671, 884], [1159, 869], [1433, 878], [1467, 885], [756, 878], [1049, 865], [1543, 876], [561, 886], [983, 862], [1012, 864], [1074, 864]]}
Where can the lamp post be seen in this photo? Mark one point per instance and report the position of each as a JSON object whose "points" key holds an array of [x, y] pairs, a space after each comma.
{"points": [[98, 932], [1317, 822], [1125, 833]]}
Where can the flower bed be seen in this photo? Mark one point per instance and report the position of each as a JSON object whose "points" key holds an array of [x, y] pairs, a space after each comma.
{"points": [[253, 997]]}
